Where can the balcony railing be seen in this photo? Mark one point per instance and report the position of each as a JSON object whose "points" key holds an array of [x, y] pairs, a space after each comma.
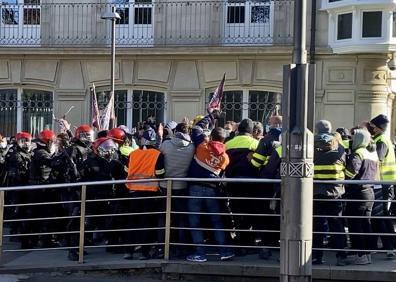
{"points": [[147, 23]]}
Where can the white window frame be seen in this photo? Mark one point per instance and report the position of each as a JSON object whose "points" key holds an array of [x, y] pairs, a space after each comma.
{"points": [[132, 31], [29, 32], [361, 25], [232, 31]]}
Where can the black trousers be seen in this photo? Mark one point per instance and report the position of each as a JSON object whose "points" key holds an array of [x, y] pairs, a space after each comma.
{"points": [[330, 209], [362, 209]]}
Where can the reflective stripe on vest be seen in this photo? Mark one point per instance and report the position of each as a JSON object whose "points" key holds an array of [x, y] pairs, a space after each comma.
{"points": [[331, 171], [142, 166], [388, 165]]}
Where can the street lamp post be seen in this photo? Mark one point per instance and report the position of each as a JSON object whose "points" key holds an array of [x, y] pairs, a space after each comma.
{"points": [[112, 16], [297, 159]]}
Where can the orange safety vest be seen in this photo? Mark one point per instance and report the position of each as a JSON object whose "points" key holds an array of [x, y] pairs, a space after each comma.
{"points": [[142, 166]]}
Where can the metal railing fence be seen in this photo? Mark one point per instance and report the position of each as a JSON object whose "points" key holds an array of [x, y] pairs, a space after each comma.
{"points": [[253, 225], [147, 23]]}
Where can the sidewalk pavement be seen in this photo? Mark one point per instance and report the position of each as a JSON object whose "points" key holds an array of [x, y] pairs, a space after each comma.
{"points": [[97, 259]]}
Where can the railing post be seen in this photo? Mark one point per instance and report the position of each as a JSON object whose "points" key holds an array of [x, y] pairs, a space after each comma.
{"points": [[82, 224], [168, 218], [1, 223]]}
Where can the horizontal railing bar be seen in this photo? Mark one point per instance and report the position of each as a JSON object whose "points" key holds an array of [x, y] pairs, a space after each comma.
{"points": [[225, 180], [122, 230], [44, 233], [41, 218], [123, 199], [124, 245], [123, 214], [40, 204], [40, 249]]}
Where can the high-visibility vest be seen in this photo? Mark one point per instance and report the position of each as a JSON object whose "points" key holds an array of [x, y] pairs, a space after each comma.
{"points": [[330, 171], [279, 151], [142, 166], [364, 154], [388, 165], [345, 144]]}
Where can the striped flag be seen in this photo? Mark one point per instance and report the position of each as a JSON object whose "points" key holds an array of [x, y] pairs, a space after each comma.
{"points": [[95, 109], [215, 102]]}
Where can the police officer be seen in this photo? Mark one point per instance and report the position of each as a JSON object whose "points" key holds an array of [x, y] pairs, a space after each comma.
{"points": [[100, 166], [40, 171], [125, 141], [17, 174]]}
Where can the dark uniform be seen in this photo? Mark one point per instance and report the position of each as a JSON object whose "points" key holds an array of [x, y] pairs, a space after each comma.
{"points": [[17, 174], [96, 168]]}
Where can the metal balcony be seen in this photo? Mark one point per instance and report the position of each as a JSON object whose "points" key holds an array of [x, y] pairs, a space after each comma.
{"points": [[147, 23]]}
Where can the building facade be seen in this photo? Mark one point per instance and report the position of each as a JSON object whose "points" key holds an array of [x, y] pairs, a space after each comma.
{"points": [[171, 56]]}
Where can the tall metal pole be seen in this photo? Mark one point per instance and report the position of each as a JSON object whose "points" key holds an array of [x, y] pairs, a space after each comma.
{"points": [[112, 75], [297, 159]]}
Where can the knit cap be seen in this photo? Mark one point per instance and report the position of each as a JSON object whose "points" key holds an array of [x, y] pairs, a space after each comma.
{"points": [[380, 121], [323, 126]]}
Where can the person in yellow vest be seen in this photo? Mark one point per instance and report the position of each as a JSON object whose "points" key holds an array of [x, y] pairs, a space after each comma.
{"points": [[144, 163], [386, 156], [329, 159]]}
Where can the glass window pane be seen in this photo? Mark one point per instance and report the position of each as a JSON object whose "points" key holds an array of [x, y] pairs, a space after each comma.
{"points": [[9, 12], [372, 24], [260, 14], [231, 106], [8, 112], [146, 104], [143, 15], [120, 104], [262, 105], [394, 25], [344, 26], [31, 16], [236, 14], [37, 109]]}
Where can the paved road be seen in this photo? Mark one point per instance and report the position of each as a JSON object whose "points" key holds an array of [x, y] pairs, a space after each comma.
{"points": [[73, 278]]}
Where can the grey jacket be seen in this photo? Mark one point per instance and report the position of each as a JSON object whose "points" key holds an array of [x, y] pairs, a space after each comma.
{"points": [[178, 153]]}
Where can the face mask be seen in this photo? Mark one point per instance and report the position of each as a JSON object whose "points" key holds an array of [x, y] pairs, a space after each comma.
{"points": [[25, 145], [52, 148], [371, 129]]}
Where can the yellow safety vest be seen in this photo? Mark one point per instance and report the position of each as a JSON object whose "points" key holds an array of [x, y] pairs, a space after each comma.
{"points": [[388, 165]]}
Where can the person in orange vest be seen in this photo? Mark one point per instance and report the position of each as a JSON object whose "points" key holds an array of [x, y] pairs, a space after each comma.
{"points": [[144, 163]]}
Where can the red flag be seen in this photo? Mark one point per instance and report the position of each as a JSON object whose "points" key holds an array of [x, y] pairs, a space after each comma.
{"points": [[95, 109], [215, 102]]}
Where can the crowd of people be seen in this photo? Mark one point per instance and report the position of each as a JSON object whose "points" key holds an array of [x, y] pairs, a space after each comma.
{"points": [[198, 149]]}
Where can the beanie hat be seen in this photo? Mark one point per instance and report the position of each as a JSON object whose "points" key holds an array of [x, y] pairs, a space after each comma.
{"points": [[171, 125], [323, 126], [246, 126], [380, 121]]}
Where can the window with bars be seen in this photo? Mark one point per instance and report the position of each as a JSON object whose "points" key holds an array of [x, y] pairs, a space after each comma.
{"points": [[141, 105], [25, 109], [11, 10], [255, 104]]}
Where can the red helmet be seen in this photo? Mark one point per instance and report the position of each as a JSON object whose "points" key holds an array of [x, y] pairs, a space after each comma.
{"points": [[97, 142], [117, 134], [23, 135], [47, 136], [83, 131]]}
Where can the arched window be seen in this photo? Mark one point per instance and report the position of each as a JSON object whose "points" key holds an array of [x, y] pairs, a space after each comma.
{"points": [[29, 110], [134, 106], [255, 104]]}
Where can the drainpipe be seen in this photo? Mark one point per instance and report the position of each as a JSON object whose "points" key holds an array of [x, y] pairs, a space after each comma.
{"points": [[312, 51]]}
